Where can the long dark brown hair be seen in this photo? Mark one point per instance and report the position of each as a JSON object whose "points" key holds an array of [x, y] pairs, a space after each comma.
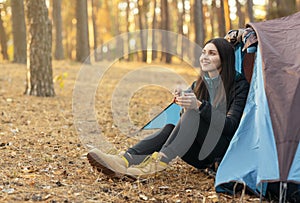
{"points": [[227, 73]]}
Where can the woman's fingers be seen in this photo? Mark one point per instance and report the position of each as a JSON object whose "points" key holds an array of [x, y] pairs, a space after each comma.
{"points": [[189, 100], [177, 93], [184, 100]]}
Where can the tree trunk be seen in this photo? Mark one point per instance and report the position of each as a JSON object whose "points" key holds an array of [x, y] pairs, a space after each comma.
{"points": [[250, 10], [154, 22], [286, 7], [57, 21], [129, 55], [199, 29], [119, 52], [227, 16], [165, 26], [95, 8], [183, 48], [240, 14], [221, 20], [39, 64], [82, 33], [69, 27], [143, 38], [212, 18], [270, 10], [3, 39], [280, 8], [180, 31], [19, 31]]}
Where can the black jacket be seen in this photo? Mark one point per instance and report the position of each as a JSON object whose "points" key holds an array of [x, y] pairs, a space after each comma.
{"points": [[218, 125], [234, 108]]}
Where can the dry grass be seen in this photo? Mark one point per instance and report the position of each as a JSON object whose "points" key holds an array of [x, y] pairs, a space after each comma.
{"points": [[43, 159]]}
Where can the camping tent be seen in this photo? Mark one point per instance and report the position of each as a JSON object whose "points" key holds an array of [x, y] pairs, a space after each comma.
{"points": [[170, 115], [265, 148]]}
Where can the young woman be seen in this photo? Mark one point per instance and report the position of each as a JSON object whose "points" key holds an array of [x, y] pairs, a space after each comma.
{"points": [[212, 112]]}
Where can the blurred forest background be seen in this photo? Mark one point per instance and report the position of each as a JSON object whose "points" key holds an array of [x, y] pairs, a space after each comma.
{"points": [[43, 46], [37, 32]]}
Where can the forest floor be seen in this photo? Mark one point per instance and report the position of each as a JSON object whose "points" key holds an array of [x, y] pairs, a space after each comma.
{"points": [[43, 152]]}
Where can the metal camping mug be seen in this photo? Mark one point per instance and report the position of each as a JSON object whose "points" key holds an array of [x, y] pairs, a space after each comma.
{"points": [[189, 90]]}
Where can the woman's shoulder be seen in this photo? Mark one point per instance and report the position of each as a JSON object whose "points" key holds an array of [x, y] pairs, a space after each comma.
{"points": [[241, 82], [193, 85], [240, 78]]}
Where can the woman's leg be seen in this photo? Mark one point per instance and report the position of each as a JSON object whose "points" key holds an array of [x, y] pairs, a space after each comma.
{"points": [[180, 142], [188, 141], [192, 155], [137, 153]]}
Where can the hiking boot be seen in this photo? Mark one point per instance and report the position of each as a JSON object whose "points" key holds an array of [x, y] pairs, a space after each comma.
{"points": [[150, 165], [109, 164]]}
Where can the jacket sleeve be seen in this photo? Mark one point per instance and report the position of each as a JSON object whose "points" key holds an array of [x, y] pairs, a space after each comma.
{"points": [[237, 99]]}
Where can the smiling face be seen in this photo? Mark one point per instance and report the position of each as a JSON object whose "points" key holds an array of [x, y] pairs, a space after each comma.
{"points": [[210, 60]]}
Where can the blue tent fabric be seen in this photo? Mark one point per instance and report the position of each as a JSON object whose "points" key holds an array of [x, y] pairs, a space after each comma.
{"points": [[239, 58], [170, 115], [255, 127], [294, 174]]}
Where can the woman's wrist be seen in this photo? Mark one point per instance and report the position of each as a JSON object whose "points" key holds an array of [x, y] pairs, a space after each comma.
{"points": [[198, 104]]}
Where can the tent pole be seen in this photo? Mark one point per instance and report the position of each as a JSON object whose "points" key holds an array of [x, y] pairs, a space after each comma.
{"points": [[280, 192], [285, 191], [260, 195]]}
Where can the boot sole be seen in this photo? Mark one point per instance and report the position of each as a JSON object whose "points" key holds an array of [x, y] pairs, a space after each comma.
{"points": [[103, 168], [100, 166]]}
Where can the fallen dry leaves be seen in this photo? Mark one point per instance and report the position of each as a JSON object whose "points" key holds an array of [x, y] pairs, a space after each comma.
{"points": [[43, 159]]}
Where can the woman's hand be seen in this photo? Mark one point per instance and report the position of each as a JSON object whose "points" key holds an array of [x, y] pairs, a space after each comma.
{"points": [[177, 93], [188, 101]]}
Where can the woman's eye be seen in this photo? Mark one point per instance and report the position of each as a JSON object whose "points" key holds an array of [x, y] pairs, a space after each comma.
{"points": [[209, 53], [213, 54]]}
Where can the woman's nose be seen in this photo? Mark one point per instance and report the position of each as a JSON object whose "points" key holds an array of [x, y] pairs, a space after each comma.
{"points": [[202, 56]]}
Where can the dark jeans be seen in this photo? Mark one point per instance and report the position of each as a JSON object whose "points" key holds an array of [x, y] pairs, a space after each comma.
{"points": [[184, 140]]}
